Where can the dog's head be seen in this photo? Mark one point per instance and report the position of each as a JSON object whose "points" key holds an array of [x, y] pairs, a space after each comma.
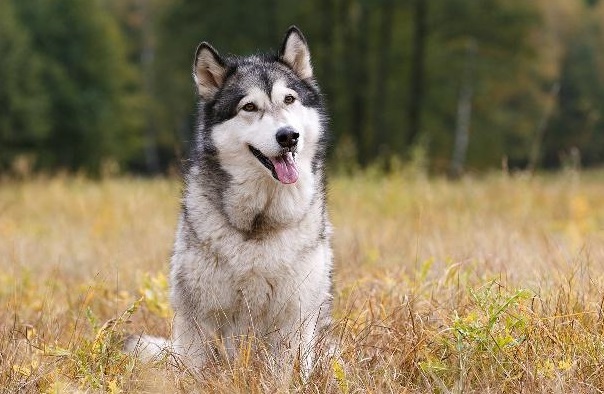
{"points": [[261, 114]]}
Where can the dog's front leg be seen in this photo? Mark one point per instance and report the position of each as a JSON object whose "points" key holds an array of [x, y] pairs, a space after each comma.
{"points": [[307, 346], [192, 341]]}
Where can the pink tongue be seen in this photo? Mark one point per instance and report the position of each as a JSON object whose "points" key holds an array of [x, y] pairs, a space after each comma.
{"points": [[285, 168]]}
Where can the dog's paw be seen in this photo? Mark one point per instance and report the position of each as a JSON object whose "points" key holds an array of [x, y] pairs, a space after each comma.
{"points": [[147, 348]]}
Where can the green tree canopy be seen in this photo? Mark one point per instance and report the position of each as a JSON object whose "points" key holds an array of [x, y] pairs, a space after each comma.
{"points": [[24, 118], [85, 73], [85, 82]]}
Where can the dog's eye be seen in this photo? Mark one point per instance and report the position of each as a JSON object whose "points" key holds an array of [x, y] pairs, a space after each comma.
{"points": [[289, 99], [249, 107]]}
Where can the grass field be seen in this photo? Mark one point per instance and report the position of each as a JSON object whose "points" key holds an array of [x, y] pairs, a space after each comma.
{"points": [[481, 286]]}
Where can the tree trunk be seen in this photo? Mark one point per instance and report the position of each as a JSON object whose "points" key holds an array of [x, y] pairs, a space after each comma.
{"points": [[328, 21], [464, 113], [272, 13], [356, 81], [416, 83], [380, 143], [536, 146], [146, 59]]}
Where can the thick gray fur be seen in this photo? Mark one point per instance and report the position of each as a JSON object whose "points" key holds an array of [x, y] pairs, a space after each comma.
{"points": [[252, 255]]}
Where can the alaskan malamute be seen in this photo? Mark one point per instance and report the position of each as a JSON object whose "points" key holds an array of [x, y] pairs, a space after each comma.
{"points": [[252, 256]]}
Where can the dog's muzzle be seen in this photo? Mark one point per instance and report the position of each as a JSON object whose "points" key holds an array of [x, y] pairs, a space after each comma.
{"points": [[287, 137], [283, 166]]}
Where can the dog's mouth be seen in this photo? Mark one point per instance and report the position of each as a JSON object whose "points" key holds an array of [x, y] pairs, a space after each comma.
{"points": [[283, 167]]}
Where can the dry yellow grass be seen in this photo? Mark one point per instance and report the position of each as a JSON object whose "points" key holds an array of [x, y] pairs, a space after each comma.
{"points": [[485, 285]]}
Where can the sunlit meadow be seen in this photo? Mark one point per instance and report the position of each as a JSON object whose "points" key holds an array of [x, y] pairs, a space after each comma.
{"points": [[490, 284]]}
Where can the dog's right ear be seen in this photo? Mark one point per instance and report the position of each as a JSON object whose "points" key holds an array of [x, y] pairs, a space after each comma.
{"points": [[295, 53], [209, 71]]}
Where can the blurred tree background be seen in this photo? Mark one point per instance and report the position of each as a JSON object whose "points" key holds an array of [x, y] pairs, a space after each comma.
{"points": [[105, 85]]}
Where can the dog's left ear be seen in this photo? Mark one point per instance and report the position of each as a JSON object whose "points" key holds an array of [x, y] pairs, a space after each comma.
{"points": [[294, 52], [209, 71]]}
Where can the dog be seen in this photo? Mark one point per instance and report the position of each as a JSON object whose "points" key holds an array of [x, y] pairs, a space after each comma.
{"points": [[252, 255]]}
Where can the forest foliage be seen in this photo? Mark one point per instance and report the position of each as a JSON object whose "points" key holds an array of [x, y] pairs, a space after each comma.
{"points": [[105, 85]]}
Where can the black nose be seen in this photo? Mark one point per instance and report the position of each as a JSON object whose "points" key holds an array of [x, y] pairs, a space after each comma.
{"points": [[287, 137]]}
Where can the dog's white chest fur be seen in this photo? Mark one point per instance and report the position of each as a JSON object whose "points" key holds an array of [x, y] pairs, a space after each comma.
{"points": [[253, 268]]}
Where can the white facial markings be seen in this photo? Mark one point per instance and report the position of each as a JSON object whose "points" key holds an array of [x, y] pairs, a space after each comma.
{"points": [[306, 121], [258, 128], [257, 97], [279, 92]]}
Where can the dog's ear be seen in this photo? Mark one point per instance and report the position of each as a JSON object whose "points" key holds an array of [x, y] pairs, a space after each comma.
{"points": [[209, 71], [295, 53]]}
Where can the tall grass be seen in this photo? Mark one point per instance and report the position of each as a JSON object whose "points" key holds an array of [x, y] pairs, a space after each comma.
{"points": [[484, 285]]}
